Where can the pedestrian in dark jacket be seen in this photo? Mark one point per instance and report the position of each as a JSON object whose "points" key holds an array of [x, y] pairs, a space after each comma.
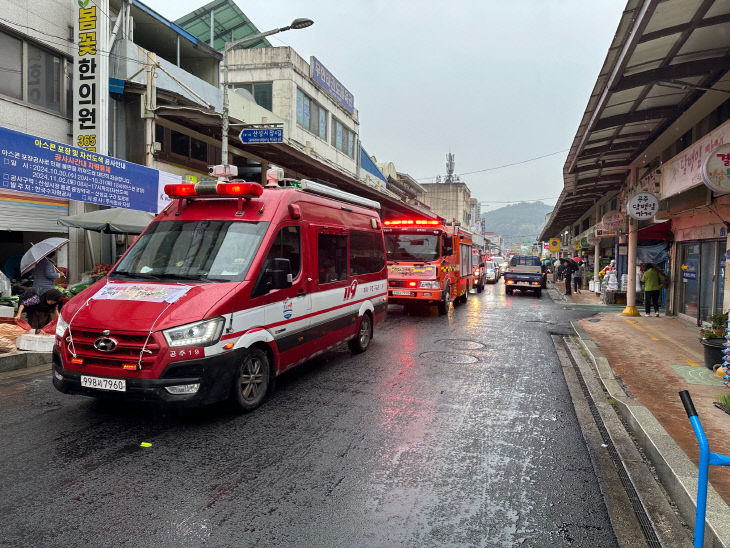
{"points": [[568, 269]]}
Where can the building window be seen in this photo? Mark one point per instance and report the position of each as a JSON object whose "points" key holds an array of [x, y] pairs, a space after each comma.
{"points": [[310, 115], [48, 75], [188, 147], [44, 78], [342, 138], [261, 92], [11, 66]]}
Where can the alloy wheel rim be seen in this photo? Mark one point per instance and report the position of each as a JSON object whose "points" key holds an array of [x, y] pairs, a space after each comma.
{"points": [[251, 379], [364, 334]]}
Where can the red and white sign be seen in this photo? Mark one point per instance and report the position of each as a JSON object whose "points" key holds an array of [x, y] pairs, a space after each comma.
{"points": [[716, 169], [612, 220], [642, 206]]}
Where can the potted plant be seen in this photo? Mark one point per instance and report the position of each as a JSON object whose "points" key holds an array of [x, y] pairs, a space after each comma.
{"points": [[713, 339]]}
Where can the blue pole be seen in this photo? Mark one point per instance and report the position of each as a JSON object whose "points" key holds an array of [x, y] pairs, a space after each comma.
{"points": [[701, 481]]}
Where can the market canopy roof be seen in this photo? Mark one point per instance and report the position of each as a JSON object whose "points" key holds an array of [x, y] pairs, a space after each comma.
{"points": [[662, 54], [114, 220], [229, 24]]}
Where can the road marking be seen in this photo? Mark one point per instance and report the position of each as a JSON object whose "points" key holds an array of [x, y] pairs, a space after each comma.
{"points": [[637, 326], [648, 332]]}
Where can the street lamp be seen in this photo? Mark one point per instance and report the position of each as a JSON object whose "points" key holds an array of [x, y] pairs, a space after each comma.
{"points": [[299, 23]]}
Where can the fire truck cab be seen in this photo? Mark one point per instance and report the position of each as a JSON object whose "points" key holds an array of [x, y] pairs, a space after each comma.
{"points": [[428, 261]]}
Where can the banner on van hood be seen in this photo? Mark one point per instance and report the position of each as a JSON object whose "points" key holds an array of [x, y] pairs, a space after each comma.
{"points": [[49, 168], [150, 293]]}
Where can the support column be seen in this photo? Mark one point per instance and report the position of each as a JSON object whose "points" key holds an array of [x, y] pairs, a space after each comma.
{"points": [[630, 309], [597, 250], [726, 289]]}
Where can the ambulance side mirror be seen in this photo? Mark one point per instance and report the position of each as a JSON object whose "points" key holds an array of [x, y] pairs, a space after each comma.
{"points": [[280, 274]]}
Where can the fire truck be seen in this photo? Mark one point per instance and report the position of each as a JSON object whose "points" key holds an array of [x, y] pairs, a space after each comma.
{"points": [[428, 261]]}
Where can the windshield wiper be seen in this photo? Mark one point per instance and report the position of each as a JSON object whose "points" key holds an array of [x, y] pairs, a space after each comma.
{"points": [[196, 277], [136, 275]]}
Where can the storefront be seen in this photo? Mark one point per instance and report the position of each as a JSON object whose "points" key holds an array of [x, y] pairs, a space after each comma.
{"points": [[700, 275]]}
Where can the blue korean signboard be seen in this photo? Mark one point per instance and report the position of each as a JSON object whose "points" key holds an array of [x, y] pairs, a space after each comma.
{"points": [[332, 85], [266, 135], [41, 166]]}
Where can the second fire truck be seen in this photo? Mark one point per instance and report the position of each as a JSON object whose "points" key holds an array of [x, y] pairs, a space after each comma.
{"points": [[428, 261]]}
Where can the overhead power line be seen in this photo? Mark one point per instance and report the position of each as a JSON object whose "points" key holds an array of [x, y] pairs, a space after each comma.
{"points": [[500, 167]]}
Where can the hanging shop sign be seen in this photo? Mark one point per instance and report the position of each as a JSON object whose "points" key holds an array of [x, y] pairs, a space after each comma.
{"points": [[612, 220], [642, 206], [584, 243], [602, 231], [40, 166], [594, 241], [576, 244], [554, 244], [91, 75], [326, 80], [716, 169]]}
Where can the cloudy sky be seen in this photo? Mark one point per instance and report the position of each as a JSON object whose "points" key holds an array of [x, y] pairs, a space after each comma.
{"points": [[494, 81]]}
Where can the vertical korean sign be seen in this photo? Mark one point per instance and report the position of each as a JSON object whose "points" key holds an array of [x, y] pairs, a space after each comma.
{"points": [[91, 75]]}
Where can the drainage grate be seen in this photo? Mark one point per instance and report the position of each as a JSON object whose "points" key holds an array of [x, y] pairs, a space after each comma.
{"points": [[641, 516]]}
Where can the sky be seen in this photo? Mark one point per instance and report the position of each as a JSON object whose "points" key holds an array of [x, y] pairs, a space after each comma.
{"points": [[495, 82]]}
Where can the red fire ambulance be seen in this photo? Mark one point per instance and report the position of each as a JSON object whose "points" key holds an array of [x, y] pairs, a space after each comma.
{"points": [[231, 285], [428, 261]]}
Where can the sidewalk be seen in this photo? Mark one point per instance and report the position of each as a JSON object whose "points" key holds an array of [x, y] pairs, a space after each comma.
{"points": [[652, 359]]}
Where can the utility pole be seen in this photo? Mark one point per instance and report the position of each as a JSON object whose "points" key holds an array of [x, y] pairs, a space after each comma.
{"points": [[148, 111]]}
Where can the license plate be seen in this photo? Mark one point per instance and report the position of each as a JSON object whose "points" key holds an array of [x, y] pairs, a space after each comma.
{"points": [[101, 383], [395, 292]]}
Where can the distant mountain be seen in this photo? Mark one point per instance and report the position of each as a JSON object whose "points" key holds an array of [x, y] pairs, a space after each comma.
{"points": [[517, 223]]}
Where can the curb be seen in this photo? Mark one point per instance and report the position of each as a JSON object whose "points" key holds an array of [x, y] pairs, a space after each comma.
{"points": [[676, 471], [23, 360]]}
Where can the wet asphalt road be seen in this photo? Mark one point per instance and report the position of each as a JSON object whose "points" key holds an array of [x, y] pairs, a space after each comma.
{"points": [[448, 431]]}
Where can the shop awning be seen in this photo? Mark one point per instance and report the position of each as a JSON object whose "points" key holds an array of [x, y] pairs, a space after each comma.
{"points": [[657, 231], [661, 54]]}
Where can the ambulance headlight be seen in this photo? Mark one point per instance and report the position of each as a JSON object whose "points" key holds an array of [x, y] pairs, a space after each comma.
{"points": [[61, 327], [203, 333]]}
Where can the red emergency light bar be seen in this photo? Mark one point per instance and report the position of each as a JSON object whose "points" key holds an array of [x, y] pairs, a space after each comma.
{"points": [[239, 189], [407, 222]]}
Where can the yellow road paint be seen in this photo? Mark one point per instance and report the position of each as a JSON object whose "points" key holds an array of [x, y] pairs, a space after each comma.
{"points": [[145, 444], [637, 326]]}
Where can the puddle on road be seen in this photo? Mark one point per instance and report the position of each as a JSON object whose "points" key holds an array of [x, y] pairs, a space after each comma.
{"points": [[460, 344], [449, 357]]}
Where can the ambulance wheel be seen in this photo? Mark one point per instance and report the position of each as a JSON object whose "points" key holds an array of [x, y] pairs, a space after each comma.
{"points": [[364, 335], [443, 305], [251, 381]]}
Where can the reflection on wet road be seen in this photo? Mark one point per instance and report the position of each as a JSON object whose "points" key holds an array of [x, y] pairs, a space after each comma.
{"points": [[454, 430]]}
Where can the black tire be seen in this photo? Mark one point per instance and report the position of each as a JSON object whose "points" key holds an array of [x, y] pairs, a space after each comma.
{"points": [[480, 288], [508, 290], [443, 304], [364, 335], [252, 380], [538, 293]]}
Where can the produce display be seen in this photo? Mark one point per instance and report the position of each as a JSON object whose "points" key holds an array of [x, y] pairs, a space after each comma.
{"points": [[100, 270]]}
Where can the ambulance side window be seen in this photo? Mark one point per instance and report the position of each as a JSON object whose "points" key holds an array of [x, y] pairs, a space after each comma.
{"points": [[366, 252], [331, 258], [286, 245]]}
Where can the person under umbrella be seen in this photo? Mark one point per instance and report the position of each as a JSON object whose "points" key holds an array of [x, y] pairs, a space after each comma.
{"points": [[39, 309], [45, 275]]}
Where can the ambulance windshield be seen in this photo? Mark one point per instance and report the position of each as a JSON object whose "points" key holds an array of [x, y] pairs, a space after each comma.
{"points": [[205, 251], [402, 246]]}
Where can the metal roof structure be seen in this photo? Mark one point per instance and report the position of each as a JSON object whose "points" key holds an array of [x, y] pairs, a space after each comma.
{"points": [[662, 55], [229, 24]]}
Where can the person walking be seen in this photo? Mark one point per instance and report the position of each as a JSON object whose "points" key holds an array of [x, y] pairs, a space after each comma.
{"points": [[561, 270], [568, 275], [578, 277], [653, 279]]}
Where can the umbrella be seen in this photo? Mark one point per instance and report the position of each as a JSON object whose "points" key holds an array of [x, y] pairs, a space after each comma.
{"points": [[39, 251], [577, 259], [115, 220]]}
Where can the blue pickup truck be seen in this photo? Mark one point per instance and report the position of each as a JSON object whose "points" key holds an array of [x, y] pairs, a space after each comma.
{"points": [[525, 273]]}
